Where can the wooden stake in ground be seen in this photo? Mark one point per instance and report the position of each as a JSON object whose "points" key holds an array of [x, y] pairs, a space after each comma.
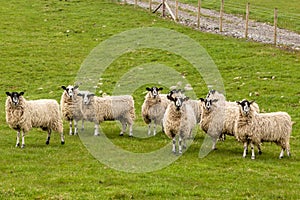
{"points": [[150, 5], [198, 13], [247, 19], [221, 15], [275, 26], [176, 10], [164, 5]]}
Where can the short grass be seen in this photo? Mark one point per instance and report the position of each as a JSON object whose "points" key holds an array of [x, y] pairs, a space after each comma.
{"points": [[43, 44], [262, 10]]}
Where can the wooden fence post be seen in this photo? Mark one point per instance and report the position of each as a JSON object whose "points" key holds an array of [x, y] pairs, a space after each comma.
{"points": [[275, 26], [163, 8], [221, 15], [150, 5], [198, 13], [176, 10], [247, 19], [135, 3]]}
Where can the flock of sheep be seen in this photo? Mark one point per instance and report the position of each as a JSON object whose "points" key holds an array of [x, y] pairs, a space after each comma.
{"points": [[177, 114]]}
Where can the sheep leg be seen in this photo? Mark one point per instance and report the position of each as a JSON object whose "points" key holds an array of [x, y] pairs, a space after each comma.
{"points": [[48, 138], [149, 129], [18, 139], [245, 149], [180, 144], [214, 141], [252, 150], [70, 132], [288, 149], [23, 139], [75, 127], [154, 129], [124, 125], [174, 145], [82, 125], [62, 138], [259, 149], [130, 129], [96, 133]]}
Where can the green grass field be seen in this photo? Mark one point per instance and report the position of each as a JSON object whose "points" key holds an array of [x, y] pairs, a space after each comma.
{"points": [[43, 44]]}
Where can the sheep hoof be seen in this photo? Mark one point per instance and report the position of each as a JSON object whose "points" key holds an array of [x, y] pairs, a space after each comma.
{"points": [[252, 157], [259, 152], [96, 134], [18, 144], [280, 157], [130, 135], [23, 146], [62, 142], [47, 142], [121, 134]]}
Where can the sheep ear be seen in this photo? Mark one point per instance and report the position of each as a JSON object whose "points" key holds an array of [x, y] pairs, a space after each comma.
{"points": [[79, 94], [76, 87], [170, 98], [21, 93], [8, 93], [91, 95], [148, 89], [251, 102], [201, 99], [160, 88], [186, 98], [63, 87], [239, 103], [215, 100]]}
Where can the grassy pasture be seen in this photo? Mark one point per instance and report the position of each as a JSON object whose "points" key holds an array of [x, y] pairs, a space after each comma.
{"points": [[43, 44]]}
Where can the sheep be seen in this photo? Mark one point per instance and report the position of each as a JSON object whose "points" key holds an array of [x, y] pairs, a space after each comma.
{"points": [[263, 127], [99, 109], [219, 118], [22, 115], [71, 107], [179, 119], [234, 112], [154, 107]]}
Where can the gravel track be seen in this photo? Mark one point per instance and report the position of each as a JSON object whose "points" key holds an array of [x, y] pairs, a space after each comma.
{"points": [[233, 25]]}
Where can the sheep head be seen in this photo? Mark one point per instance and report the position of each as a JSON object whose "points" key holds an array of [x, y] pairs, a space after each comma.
{"points": [[154, 91], [86, 96], [207, 103], [245, 106], [15, 97], [70, 90]]}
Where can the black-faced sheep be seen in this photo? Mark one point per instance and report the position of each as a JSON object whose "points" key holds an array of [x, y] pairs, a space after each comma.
{"points": [[154, 107], [179, 120], [22, 115], [263, 127], [71, 107], [219, 118], [108, 108]]}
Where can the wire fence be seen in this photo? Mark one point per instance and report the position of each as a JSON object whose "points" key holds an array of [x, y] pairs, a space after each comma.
{"points": [[275, 18]]}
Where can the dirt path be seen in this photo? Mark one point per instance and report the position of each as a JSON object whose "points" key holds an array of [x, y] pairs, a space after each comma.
{"points": [[232, 25]]}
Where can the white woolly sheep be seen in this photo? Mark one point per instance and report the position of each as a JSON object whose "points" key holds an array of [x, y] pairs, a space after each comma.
{"points": [[179, 120], [263, 127], [99, 109], [231, 111], [22, 115], [218, 118], [154, 107], [71, 107]]}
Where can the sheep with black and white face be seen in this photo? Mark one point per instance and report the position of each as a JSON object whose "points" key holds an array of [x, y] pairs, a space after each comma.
{"points": [[22, 115], [263, 127], [179, 121]]}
